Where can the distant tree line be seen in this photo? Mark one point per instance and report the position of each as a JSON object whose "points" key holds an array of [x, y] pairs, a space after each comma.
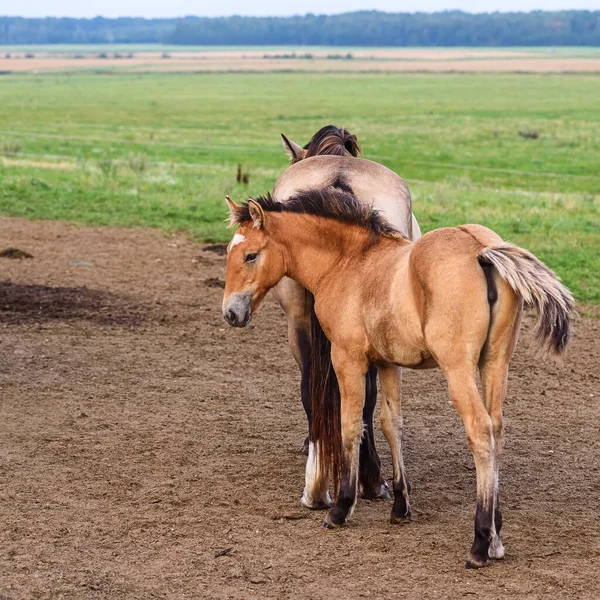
{"points": [[364, 28]]}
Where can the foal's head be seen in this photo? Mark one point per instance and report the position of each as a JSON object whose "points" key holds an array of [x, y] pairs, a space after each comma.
{"points": [[254, 263]]}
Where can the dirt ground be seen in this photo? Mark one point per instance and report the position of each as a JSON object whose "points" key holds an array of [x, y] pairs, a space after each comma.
{"points": [[363, 60], [149, 451]]}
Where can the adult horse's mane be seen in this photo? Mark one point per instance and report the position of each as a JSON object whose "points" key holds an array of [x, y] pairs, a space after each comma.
{"points": [[332, 140], [329, 203], [328, 141]]}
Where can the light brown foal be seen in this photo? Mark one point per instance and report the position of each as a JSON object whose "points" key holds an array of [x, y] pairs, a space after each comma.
{"points": [[451, 299]]}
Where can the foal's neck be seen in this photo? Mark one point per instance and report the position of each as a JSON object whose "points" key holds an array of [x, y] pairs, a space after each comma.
{"points": [[316, 248]]}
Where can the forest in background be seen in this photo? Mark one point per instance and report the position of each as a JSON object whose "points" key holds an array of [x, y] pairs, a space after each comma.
{"points": [[364, 28]]}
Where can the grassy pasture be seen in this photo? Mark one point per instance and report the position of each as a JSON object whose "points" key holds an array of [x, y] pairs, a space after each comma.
{"points": [[161, 150]]}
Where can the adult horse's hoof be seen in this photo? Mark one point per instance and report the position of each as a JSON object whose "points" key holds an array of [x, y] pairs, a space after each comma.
{"points": [[381, 492], [322, 503], [496, 549]]}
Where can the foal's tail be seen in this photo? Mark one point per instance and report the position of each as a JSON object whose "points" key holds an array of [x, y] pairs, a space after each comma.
{"points": [[326, 402], [541, 289], [332, 140]]}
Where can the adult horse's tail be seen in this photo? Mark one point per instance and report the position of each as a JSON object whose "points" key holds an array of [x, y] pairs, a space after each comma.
{"points": [[326, 402], [333, 141], [540, 288]]}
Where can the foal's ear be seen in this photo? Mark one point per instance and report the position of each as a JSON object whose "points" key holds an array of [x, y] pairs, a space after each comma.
{"points": [[294, 151], [257, 213], [234, 211]]}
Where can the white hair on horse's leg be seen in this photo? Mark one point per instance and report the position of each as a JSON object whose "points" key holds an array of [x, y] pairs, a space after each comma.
{"points": [[315, 492]]}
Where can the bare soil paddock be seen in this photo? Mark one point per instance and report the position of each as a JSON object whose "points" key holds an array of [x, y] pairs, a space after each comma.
{"points": [[148, 451], [372, 59]]}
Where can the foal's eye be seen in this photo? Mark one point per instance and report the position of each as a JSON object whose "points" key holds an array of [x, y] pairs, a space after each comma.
{"points": [[251, 257]]}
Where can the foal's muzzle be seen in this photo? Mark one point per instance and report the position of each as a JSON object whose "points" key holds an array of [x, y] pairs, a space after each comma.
{"points": [[238, 310]]}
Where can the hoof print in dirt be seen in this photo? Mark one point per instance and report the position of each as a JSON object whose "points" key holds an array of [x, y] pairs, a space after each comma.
{"points": [[220, 249], [214, 282]]}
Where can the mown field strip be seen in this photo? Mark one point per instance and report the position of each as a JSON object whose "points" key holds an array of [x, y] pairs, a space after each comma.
{"points": [[80, 138], [200, 166], [260, 149]]}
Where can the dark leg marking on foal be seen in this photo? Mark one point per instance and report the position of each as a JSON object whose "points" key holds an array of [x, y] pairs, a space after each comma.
{"points": [[304, 349], [478, 557], [345, 501], [369, 472], [401, 509]]}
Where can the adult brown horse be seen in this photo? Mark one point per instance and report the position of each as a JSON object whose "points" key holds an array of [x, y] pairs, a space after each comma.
{"points": [[451, 299], [330, 161]]}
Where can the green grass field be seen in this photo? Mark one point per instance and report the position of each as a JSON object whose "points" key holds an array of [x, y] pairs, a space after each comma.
{"points": [[162, 150]]}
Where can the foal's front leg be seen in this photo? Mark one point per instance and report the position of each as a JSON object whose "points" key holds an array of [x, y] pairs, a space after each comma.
{"points": [[351, 379], [392, 427], [371, 484]]}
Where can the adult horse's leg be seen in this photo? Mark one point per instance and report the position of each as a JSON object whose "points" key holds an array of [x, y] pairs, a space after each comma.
{"points": [[297, 303], [351, 378], [371, 484], [392, 427]]}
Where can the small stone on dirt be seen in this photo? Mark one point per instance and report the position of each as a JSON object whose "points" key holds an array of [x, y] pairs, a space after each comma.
{"points": [[258, 578], [81, 263], [14, 253]]}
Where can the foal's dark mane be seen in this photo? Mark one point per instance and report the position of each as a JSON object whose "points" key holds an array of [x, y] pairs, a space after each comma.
{"points": [[332, 140], [329, 203]]}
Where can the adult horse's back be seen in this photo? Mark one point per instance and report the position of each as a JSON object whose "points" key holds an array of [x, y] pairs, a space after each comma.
{"points": [[330, 160], [369, 181]]}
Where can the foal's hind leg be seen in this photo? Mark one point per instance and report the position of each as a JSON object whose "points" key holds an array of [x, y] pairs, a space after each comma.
{"points": [[462, 386], [392, 427], [371, 484], [493, 365]]}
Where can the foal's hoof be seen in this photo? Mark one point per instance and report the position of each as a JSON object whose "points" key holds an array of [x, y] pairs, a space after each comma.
{"points": [[496, 549], [384, 491], [304, 448], [474, 562], [400, 520]]}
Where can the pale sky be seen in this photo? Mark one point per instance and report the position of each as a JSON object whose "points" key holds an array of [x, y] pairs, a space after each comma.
{"points": [[179, 8]]}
